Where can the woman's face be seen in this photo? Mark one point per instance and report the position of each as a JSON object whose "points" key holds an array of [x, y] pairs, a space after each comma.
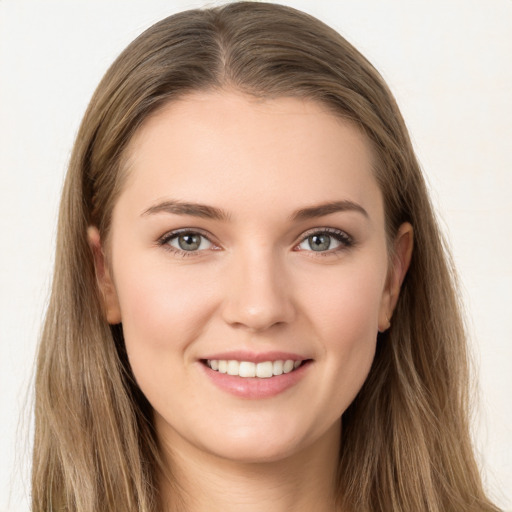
{"points": [[249, 268]]}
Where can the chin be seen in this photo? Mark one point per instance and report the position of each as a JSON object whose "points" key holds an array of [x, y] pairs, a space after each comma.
{"points": [[259, 444], [256, 451]]}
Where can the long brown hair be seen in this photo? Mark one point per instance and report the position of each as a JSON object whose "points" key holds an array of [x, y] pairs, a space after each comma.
{"points": [[406, 443]]}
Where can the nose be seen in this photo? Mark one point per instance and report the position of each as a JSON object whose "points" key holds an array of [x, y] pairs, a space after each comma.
{"points": [[259, 294]]}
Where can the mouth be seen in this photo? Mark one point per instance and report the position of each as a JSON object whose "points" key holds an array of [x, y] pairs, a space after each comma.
{"points": [[250, 369], [251, 375]]}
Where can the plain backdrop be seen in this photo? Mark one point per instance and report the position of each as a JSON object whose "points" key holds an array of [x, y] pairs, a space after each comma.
{"points": [[448, 63]]}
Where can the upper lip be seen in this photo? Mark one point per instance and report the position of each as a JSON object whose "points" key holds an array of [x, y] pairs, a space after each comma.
{"points": [[254, 357]]}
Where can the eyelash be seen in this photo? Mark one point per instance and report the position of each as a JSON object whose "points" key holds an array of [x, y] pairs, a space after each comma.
{"points": [[345, 240], [165, 239]]}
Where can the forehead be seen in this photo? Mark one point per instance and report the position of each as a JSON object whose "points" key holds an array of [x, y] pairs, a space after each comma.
{"points": [[220, 146]]}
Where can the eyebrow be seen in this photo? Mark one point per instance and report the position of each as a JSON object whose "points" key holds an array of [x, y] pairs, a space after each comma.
{"points": [[185, 208], [327, 208], [211, 212]]}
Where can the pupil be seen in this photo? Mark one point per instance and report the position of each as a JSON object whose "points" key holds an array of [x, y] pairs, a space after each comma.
{"points": [[189, 242], [319, 242]]}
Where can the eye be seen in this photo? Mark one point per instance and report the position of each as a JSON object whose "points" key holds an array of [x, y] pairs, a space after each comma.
{"points": [[186, 242], [325, 240]]}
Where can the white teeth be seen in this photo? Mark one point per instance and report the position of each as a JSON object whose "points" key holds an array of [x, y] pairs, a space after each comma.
{"points": [[288, 366], [247, 369], [277, 367], [263, 370], [233, 367]]}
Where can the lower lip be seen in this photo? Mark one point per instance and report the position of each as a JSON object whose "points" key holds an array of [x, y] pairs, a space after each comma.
{"points": [[253, 387]]}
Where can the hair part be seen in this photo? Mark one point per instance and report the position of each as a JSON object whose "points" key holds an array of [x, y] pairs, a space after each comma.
{"points": [[406, 442]]}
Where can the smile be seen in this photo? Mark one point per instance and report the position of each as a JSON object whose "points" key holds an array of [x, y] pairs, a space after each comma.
{"points": [[249, 369], [255, 376]]}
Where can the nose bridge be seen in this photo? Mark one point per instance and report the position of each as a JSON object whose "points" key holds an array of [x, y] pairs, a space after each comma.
{"points": [[258, 291]]}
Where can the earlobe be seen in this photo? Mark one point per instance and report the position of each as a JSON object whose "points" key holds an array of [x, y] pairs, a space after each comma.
{"points": [[402, 254], [104, 280]]}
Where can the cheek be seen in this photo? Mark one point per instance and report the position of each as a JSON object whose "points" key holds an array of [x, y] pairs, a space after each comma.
{"points": [[162, 309], [346, 308], [344, 316], [163, 313]]}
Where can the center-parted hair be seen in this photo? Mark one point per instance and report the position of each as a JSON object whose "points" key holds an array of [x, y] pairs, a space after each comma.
{"points": [[405, 441]]}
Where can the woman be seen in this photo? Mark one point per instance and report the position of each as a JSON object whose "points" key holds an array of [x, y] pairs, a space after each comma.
{"points": [[251, 308]]}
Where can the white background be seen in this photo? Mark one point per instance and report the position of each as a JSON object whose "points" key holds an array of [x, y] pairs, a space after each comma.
{"points": [[449, 65]]}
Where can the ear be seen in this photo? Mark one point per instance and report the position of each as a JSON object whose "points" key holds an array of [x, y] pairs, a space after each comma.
{"points": [[104, 278], [402, 252]]}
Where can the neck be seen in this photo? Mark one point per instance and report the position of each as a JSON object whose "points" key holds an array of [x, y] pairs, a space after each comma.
{"points": [[202, 482]]}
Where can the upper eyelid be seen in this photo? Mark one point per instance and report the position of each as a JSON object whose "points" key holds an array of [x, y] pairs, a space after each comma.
{"points": [[164, 242], [175, 232], [305, 234], [325, 229]]}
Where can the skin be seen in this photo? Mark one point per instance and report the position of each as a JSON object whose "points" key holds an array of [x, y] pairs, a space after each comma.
{"points": [[255, 284]]}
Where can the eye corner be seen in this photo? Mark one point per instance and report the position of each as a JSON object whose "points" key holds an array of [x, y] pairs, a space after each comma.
{"points": [[199, 243], [342, 241]]}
